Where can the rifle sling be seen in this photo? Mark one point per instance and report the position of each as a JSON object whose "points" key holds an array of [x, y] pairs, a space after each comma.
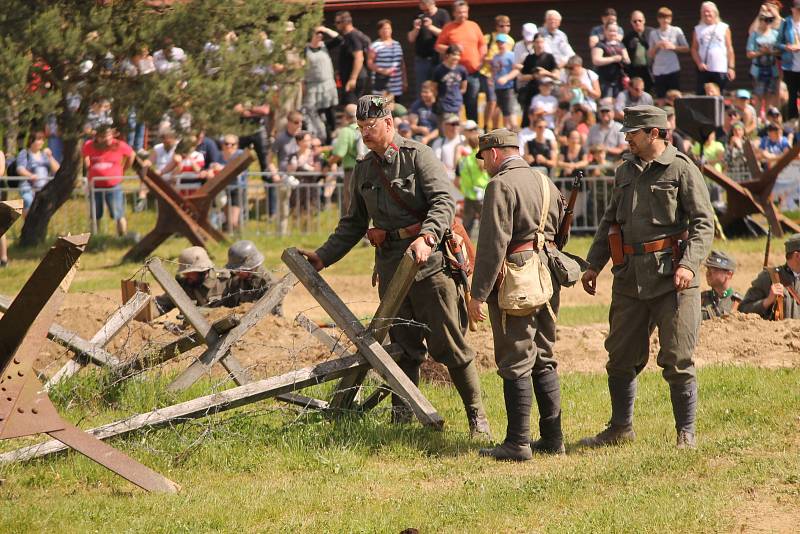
{"points": [[394, 194], [789, 288]]}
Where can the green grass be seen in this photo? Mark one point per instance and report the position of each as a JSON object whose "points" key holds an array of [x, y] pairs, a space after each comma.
{"points": [[266, 469]]}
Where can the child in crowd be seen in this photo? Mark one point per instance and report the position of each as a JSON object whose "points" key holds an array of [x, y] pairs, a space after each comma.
{"points": [[451, 81], [423, 113], [503, 79], [545, 104]]}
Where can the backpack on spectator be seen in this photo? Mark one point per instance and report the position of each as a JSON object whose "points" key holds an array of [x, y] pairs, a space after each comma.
{"points": [[11, 170]]}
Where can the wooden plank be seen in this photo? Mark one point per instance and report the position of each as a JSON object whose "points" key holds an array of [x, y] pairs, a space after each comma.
{"points": [[113, 325], [346, 391], [207, 405], [183, 302], [322, 336], [219, 350], [72, 341], [10, 211], [213, 186], [172, 349], [303, 401], [364, 341]]}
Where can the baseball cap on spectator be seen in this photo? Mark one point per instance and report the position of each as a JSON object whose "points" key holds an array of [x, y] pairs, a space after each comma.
{"points": [[773, 112], [605, 107], [743, 93], [470, 125], [403, 127], [529, 31], [772, 127], [451, 118], [502, 38]]}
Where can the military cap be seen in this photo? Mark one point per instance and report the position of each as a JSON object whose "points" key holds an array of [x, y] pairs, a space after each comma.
{"points": [[373, 107], [638, 117], [720, 260], [792, 243], [501, 137]]}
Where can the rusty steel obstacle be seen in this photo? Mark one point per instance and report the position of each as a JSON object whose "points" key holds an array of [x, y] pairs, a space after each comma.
{"points": [[25, 407], [350, 367], [184, 215], [755, 196]]}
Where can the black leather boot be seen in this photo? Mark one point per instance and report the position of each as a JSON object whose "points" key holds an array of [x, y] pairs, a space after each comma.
{"points": [[518, 395], [684, 408], [620, 428], [468, 385], [547, 389]]}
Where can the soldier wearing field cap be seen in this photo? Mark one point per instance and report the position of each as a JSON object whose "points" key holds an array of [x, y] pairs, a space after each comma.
{"points": [[721, 299], [403, 191], [249, 280], [511, 230], [763, 293], [657, 230]]}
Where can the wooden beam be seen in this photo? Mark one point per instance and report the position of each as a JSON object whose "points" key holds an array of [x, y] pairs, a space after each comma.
{"points": [[10, 211], [111, 328], [172, 349], [403, 278], [207, 405], [364, 341], [219, 350]]}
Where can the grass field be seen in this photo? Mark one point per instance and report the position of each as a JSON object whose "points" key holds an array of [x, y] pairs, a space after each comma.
{"points": [[269, 468]]}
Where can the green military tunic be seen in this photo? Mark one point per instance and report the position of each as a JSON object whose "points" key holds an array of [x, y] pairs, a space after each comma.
{"points": [[510, 215], [652, 201], [434, 299], [714, 305], [760, 288], [207, 293]]}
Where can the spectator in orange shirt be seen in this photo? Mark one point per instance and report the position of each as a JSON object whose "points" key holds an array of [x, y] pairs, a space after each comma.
{"points": [[468, 36]]}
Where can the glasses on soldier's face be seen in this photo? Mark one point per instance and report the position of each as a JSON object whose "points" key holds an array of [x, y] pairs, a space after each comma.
{"points": [[368, 126]]}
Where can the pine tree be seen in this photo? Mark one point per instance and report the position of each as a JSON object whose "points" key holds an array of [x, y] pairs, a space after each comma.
{"points": [[57, 57]]}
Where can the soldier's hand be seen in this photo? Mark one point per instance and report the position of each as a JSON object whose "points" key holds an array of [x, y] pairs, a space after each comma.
{"points": [[775, 291], [589, 281], [421, 250], [682, 278], [313, 258], [475, 311]]}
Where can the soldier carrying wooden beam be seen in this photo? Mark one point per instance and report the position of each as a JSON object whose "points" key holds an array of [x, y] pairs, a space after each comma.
{"points": [[404, 191]]}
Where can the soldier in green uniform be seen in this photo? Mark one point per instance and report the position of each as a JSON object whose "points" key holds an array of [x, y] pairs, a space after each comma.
{"points": [[761, 296], [657, 229], [197, 276], [403, 189], [523, 345], [721, 299], [249, 280]]}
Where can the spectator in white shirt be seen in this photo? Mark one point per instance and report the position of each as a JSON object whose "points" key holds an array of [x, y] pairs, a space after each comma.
{"points": [[556, 41], [545, 104]]}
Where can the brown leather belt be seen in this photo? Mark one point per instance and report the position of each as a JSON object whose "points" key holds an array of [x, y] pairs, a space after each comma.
{"points": [[404, 233], [524, 246], [637, 249]]}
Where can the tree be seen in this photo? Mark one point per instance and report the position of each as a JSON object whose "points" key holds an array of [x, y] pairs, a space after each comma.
{"points": [[57, 57]]}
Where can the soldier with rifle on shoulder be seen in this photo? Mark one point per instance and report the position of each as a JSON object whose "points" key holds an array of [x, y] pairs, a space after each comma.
{"points": [[775, 293]]}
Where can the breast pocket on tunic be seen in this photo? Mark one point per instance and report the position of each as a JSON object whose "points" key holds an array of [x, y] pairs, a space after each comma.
{"points": [[664, 203], [621, 192], [369, 192]]}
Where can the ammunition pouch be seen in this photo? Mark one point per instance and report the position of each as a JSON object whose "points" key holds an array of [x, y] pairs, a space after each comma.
{"points": [[376, 237]]}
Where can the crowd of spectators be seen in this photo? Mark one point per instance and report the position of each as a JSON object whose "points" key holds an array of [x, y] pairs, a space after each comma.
{"points": [[566, 108]]}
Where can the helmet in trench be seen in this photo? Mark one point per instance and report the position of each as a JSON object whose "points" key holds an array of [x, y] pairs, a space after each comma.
{"points": [[194, 260], [244, 256]]}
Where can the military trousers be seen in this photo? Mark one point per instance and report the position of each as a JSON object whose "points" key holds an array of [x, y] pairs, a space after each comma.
{"points": [[632, 321], [432, 319], [524, 345]]}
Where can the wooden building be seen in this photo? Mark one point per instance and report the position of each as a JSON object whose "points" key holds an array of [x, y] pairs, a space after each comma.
{"points": [[579, 16]]}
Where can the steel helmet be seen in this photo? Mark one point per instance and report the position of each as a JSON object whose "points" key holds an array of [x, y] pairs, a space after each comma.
{"points": [[244, 256], [194, 260]]}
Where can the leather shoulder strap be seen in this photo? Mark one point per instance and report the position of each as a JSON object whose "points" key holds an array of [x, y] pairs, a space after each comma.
{"points": [[393, 193], [789, 285]]}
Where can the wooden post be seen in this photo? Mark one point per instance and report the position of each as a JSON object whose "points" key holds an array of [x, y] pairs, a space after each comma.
{"points": [[403, 278], [10, 211], [206, 405], [364, 341]]}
